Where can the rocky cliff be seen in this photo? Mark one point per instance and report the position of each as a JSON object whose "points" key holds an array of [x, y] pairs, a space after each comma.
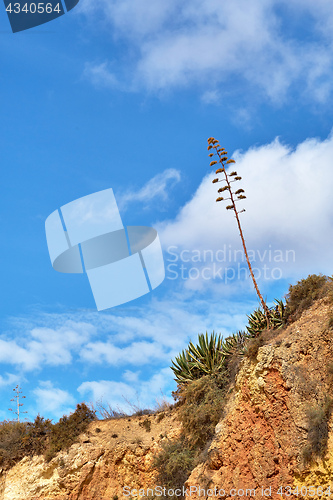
{"points": [[112, 454], [275, 435], [277, 420]]}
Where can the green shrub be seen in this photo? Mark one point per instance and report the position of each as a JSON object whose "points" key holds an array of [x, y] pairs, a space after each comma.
{"points": [[201, 407], [65, 432], [318, 431], [330, 321], [37, 435], [141, 412], [252, 347], [160, 417], [20, 439], [146, 424], [11, 436], [174, 463], [302, 295], [330, 371]]}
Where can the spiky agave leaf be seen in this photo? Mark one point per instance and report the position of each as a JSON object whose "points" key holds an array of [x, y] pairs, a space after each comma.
{"points": [[257, 323], [183, 368], [277, 314], [206, 354], [234, 344], [199, 360]]}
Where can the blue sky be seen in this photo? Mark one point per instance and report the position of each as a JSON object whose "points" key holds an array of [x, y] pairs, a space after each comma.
{"points": [[124, 94]]}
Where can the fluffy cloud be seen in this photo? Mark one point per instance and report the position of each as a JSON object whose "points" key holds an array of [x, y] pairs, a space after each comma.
{"points": [[128, 397], [177, 44], [137, 353], [9, 380], [39, 346], [150, 335], [50, 399], [100, 75], [159, 186]]}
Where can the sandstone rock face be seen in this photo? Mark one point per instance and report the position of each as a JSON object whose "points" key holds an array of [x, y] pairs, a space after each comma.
{"points": [[259, 442], [120, 454], [258, 448]]}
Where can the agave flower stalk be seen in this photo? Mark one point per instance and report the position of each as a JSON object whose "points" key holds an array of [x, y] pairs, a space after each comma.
{"points": [[16, 399], [221, 153]]}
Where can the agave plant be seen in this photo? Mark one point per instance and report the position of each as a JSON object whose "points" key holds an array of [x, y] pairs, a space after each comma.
{"points": [[205, 358], [234, 344], [257, 320], [211, 352], [257, 323], [278, 314], [183, 368]]}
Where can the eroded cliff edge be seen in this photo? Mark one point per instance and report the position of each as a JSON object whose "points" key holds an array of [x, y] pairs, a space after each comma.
{"points": [[276, 415], [268, 436], [110, 455]]}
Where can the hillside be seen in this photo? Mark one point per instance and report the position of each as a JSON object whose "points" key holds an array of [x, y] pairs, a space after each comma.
{"points": [[276, 431]]}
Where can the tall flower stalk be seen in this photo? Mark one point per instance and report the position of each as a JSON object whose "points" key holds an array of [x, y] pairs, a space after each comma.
{"points": [[16, 399], [215, 149]]}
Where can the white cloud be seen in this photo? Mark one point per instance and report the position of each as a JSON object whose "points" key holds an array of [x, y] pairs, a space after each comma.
{"points": [[108, 391], [134, 337], [130, 376], [100, 75], [128, 397], [157, 187], [40, 346], [211, 97], [9, 380], [50, 399], [153, 335], [135, 19], [12, 353], [175, 44], [137, 353]]}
